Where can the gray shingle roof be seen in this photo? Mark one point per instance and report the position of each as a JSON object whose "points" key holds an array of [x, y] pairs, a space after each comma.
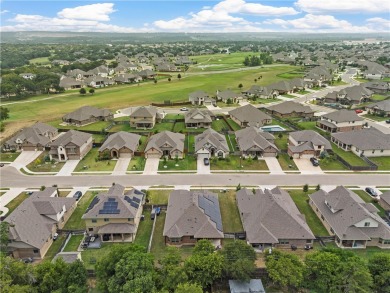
{"points": [[120, 140], [144, 111], [252, 136], [213, 138], [271, 215], [176, 140], [198, 115], [72, 136], [35, 134], [343, 116], [193, 213], [250, 114], [307, 140], [289, 107], [365, 139], [382, 105], [86, 112]]}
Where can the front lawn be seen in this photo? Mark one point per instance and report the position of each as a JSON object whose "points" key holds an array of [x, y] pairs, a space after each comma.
{"points": [[383, 163], [16, 202], [231, 221], [137, 163], [144, 230], [233, 163], [43, 164], [187, 163], [89, 163], [301, 200], [367, 198], [286, 163], [350, 157], [289, 96], [330, 164], [75, 222], [73, 243], [158, 197], [219, 125], [8, 157], [303, 92], [375, 117], [233, 124]]}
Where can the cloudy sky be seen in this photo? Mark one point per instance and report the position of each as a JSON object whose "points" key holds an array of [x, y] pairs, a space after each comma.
{"points": [[320, 16]]}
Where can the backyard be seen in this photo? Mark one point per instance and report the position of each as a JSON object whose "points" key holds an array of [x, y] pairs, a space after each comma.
{"points": [[233, 163], [383, 163], [233, 124], [219, 125], [187, 163], [231, 221], [73, 243], [96, 126], [75, 222], [144, 230], [43, 164], [231, 141], [158, 197], [55, 247], [89, 163], [189, 143]]}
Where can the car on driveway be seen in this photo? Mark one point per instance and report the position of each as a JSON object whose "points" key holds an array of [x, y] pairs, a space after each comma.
{"points": [[184, 109], [372, 192], [314, 162], [206, 161], [77, 195]]}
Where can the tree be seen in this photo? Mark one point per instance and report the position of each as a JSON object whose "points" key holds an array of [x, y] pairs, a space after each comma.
{"points": [[285, 269], [172, 272], [239, 260], [155, 81], [379, 266], [203, 247], [169, 79], [15, 277], [188, 288], [4, 230], [240, 86], [305, 188], [82, 91], [91, 91], [318, 187], [179, 76], [4, 113]]}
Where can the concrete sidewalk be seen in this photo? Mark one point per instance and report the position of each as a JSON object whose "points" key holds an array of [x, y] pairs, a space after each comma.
{"points": [[121, 166], [7, 197], [68, 168]]}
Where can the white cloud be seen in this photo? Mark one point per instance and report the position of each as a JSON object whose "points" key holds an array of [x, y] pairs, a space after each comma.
{"points": [[345, 6], [99, 11], [378, 23], [240, 6], [3, 11]]}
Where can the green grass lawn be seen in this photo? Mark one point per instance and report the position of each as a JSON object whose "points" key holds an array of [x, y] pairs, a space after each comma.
{"points": [[285, 162], [383, 163], [187, 163], [367, 198], [142, 144], [378, 98], [301, 200], [233, 124], [303, 92], [179, 127], [137, 163], [144, 230], [13, 204], [330, 164], [99, 138], [173, 116], [375, 117], [40, 61], [350, 157], [75, 222], [63, 193], [8, 157], [281, 143], [289, 96], [40, 165], [336, 83], [219, 125], [73, 243], [369, 252], [55, 247], [292, 74], [233, 163], [163, 126], [158, 242], [232, 143], [231, 221], [280, 123], [92, 165], [189, 143], [158, 197]]}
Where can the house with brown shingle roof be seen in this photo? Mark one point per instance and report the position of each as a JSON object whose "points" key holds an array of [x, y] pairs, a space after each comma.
{"points": [[193, 215], [166, 143], [115, 215], [145, 117], [290, 109], [340, 121], [72, 145], [34, 222], [86, 115], [249, 115], [307, 144], [120, 145], [271, 219], [253, 142], [354, 223]]}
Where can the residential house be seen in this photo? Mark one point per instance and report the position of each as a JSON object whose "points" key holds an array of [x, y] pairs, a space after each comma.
{"points": [[191, 216], [210, 143], [127, 78], [381, 108], [145, 117], [69, 83], [98, 81], [350, 96], [200, 98], [290, 109], [251, 286], [166, 143], [120, 145], [283, 87], [147, 74], [354, 223], [307, 144], [369, 142], [197, 118], [34, 222], [378, 87], [262, 92], [340, 121], [319, 75], [115, 215], [102, 71], [33, 138], [385, 201], [72, 145], [249, 115], [77, 74], [86, 115], [253, 142], [229, 96], [271, 219]]}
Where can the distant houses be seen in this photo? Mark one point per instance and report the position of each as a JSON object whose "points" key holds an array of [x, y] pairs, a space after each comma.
{"points": [[86, 115]]}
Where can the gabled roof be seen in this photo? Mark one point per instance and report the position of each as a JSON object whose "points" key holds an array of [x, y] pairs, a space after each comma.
{"points": [[120, 140], [365, 139], [289, 107], [250, 114], [144, 111], [115, 203], [252, 136], [198, 94], [343, 116], [228, 94], [85, 113], [35, 134], [307, 140], [210, 136], [355, 93], [191, 116], [271, 215], [176, 140], [382, 105], [72, 136], [193, 213]]}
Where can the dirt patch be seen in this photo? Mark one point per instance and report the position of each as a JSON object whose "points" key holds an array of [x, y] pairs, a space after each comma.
{"points": [[12, 127]]}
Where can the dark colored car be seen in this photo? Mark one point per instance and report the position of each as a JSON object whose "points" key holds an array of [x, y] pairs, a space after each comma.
{"points": [[371, 191], [1, 165], [77, 195], [206, 161], [388, 121], [314, 162]]}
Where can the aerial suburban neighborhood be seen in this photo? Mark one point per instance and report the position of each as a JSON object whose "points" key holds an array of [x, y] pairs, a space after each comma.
{"points": [[170, 162]]}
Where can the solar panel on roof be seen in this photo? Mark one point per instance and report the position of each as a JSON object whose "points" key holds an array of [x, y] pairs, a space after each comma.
{"points": [[136, 191], [93, 203], [136, 199], [134, 204], [210, 205], [111, 199]]}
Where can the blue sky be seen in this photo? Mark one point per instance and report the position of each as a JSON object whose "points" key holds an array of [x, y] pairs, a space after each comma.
{"points": [[197, 16]]}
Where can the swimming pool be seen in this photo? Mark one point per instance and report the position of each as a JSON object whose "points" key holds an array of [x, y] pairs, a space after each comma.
{"points": [[272, 128]]}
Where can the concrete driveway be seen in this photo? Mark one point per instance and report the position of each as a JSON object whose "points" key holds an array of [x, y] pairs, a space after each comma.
{"points": [[68, 168], [306, 167], [7, 197], [151, 166], [211, 107], [121, 166], [273, 165], [201, 167], [25, 158]]}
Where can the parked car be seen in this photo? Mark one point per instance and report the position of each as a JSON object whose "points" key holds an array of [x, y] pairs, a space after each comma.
{"points": [[358, 111], [55, 236], [1, 164], [206, 161], [184, 109], [314, 162], [77, 195], [371, 191], [388, 121]]}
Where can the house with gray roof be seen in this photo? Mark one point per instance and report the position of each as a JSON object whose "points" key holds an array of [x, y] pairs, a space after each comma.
{"points": [[251, 286], [249, 115], [34, 222], [36, 137], [198, 118], [145, 117], [369, 142], [380, 108], [211, 143], [290, 109], [319, 75], [307, 144], [350, 96], [340, 121], [253, 142], [193, 215], [271, 219], [69, 83], [230, 96], [353, 222], [378, 87], [201, 98], [262, 92], [147, 73], [115, 215], [72, 145], [86, 115], [120, 145], [166, 143]]}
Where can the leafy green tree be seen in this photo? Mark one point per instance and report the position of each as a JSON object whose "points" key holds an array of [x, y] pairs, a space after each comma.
{"points": [[82, 91], [51, 276], [172, 272], [203, 247], [4, 113], [189, 288], [305, 188], [240, 86], [91, 91], [239, 260], [15, 277], [4, 230], [285, 269], [179, 76], [379, 266]]}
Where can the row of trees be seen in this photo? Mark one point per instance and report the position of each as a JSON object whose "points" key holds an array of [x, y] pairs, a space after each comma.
{"points": [[263, 58]]}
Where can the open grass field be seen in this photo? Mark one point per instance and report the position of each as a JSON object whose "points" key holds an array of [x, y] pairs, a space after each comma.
{"points": [[75, 222], [216, 62], [16, 202], [40, 60], [187, 163], [300, 198], [73, 243], [383, 163], [8, 157], [231, 221], [39, 164], [233, 163], [144, 230], [367, 198], [91, 165]]}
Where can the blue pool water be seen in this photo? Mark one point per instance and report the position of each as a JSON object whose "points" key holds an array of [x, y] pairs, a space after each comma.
{"points": [[272, 128]]}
